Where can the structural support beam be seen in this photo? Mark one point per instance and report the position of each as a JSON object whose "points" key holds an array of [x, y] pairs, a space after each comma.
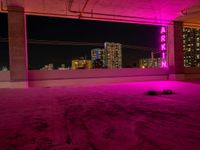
{"points": [[175, 51], [17, 44]]}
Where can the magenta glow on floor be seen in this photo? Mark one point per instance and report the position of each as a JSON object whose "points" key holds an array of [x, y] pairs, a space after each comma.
{"points": [[102, 117]]}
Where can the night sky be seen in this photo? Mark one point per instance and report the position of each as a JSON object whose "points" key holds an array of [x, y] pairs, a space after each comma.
{"points": [[58, 29], [4, 53]]}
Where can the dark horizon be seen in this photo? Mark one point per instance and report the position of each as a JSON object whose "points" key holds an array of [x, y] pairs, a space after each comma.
{"points": [[52, 28]]}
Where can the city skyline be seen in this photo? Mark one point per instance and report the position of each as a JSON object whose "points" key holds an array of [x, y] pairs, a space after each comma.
{"points": [[108, 57], [57, 29]]}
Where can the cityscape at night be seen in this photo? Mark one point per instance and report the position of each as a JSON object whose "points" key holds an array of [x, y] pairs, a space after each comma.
{"points": [[137, 40], [67, 39]]}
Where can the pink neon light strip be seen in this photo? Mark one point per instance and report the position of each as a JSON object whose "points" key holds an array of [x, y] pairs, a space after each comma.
{"points": [[163, 46]]}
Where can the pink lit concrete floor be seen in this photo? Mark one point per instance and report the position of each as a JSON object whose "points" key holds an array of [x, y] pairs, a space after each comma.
{"points": [[103, 117]]}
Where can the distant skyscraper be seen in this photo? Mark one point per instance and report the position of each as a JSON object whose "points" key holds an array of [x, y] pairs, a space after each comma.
{"points": [[191, 47], [113, 58], [98, 57]]}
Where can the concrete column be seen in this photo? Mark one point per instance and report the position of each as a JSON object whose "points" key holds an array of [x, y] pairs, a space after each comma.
{"points": [[175, 51], [17, 43]]}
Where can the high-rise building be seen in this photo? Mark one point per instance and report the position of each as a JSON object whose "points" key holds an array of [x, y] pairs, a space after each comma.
{"points": [[113, 58], [98, 57], [191, 47]]}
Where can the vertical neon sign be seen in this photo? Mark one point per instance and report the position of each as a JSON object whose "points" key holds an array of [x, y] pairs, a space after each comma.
{"points": [[163, 47]]}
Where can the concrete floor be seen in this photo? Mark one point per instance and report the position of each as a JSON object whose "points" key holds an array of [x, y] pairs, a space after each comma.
{"points": [[101, 117]]}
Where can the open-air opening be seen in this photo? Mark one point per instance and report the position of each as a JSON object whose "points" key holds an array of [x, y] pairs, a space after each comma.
{"points": [[67, 44], [4, 51]]}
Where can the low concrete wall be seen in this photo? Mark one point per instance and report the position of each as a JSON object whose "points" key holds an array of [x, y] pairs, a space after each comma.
{"points": [[45, 78], [94, 73], [93, 81], [192, 73], [192, 70], [48, 78], [4, 76]]}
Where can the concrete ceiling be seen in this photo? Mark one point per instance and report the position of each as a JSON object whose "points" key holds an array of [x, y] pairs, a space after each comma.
{"points": [[138, 11]]}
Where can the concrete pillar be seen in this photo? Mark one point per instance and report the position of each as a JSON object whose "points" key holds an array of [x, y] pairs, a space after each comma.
{"points": [[17, 44], [175, 51]]}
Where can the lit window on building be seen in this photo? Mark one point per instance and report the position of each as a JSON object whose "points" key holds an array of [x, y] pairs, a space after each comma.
{"points": [[191, 47]]}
